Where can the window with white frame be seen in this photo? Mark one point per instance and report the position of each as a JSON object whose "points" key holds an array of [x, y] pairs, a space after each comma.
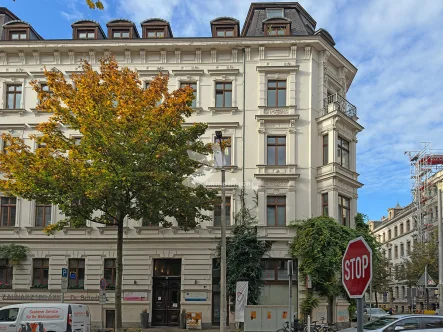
{"points": [[223, 157], [274, 12], [276, 210], [276, 150], [192, 85], [343, 152], [223, 94], [13, 96], [43, 214], [276, 93], [218, 213], [344, 210], [324, 204]]}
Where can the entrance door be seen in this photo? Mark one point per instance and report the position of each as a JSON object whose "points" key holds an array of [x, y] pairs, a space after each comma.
{"points": [[110, 319], [166, 293]]}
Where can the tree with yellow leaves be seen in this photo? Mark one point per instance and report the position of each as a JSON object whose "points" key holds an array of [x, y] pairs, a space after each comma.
{"points": [[130, 162]]}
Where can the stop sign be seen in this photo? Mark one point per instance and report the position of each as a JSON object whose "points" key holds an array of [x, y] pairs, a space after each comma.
{"points": [[357, 267]]}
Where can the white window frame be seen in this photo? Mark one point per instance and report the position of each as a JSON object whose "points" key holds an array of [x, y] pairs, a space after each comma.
{"points": [[275, 9]]}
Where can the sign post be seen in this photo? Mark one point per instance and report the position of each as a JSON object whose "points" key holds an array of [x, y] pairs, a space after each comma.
{"points": [[102, 298], [64, 284], [290, 272], [357, 273]]}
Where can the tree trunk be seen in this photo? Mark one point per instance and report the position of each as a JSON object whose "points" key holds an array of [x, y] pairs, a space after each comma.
{"points": [[118, 284], [376, 299]]}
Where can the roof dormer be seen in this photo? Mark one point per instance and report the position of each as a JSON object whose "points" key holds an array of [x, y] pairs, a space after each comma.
{"points": [[122, 29], [156, 28], [87, 29], [19, 30], [225, 27], [277, 26]]}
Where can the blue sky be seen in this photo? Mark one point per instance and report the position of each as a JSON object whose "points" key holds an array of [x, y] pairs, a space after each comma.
{"points": [[396, 46]]}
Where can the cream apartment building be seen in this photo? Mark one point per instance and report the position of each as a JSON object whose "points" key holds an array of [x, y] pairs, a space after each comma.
{"points": [[277, 88]]}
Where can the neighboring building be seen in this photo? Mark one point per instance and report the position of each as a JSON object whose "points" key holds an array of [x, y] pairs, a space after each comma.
{"points": [[301, 158]]}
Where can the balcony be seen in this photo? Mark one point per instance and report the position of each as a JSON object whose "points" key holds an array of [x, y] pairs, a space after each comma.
{"points": [[336, 102]]}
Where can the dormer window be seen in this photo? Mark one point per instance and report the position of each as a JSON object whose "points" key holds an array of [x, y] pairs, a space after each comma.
{"points": [[274, 12], [277, 26], [225, 32], [18, 35], [85, 34], [225, 27], [156, 28], [117, 34], [155, 33], [276, 30]]}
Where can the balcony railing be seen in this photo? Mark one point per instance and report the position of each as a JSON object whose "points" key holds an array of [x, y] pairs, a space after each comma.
{"points": [[336, 102]]}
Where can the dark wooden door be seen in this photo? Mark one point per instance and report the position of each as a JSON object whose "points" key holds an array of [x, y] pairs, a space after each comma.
{"points": [[110, 319], [166, 299]]}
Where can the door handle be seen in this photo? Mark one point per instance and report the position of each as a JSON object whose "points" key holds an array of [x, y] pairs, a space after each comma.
{"points": [[13, 325]]}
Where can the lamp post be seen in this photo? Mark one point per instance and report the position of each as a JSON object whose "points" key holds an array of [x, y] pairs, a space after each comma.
{"points": [[223, 299], [440, 247]]}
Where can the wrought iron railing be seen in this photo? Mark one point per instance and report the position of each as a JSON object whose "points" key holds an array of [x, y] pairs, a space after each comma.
{"points": [[336, 102]]}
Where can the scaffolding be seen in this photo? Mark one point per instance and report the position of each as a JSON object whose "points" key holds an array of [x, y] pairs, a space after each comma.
{"points": [[424, 164]]}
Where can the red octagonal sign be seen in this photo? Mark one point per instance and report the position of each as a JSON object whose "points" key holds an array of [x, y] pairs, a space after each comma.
{"points": [[357, 267]]}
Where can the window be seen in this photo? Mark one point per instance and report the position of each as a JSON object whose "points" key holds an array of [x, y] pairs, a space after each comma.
{"points": [[395, 231], [18, 35], [270, 13], [110, 272], [86, 34], [324, 204], [42, 214], [402, 250], [401, 229], [276, 211], [76, 273], [194, 88], [432, 323], [277, 30], [276, 150], [13, 96], [275, 270], [223, 94], [408, 247], [403, 291], [225, 32], [343, 152], [395, 252], [276, 93], [40, 273], [225, 158], [155, 33], [8, 207], [9, 315], [389, 235], [408, 225], [45, 88], [344, 210], [408, 324], [217, 212], [120, 33], [325, 149], [389, 253], [384, 237], [5, 274]]}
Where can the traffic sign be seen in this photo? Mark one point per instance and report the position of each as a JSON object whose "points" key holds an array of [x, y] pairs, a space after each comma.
{"points": [[103, 284], [357, 267], [73, 275], [102, 297], [64, 272], [64, 286]]}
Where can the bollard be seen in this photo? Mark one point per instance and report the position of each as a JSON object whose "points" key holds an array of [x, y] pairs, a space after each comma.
{"points": [[309, 323]]}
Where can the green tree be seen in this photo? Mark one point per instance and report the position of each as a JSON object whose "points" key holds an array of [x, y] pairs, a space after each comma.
{"points": [[130, 162], [381, 276], [244, 254]]}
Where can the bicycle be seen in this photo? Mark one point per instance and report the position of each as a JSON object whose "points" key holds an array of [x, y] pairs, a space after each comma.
{"points": [[286, 328]]}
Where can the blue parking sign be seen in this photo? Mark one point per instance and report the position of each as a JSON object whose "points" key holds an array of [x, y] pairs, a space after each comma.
{"points": [[64, 272], [72, 275]]}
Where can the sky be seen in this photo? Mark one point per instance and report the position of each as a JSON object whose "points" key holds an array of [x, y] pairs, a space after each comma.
{"points": [[395, 44]]}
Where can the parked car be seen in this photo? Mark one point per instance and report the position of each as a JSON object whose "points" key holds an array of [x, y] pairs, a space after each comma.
{"points": [[393, 323], [49, 317], [373, 314]]}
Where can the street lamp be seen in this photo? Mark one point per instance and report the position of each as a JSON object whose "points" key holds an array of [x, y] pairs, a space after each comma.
{"points": [[223, 301]]}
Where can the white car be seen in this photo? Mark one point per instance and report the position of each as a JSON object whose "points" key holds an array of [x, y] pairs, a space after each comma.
{"points": [[393, 323], [45, 317], [373, 314]]}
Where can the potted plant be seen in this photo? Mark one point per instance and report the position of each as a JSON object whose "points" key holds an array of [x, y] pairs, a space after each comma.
{"points": [[144, 318]]}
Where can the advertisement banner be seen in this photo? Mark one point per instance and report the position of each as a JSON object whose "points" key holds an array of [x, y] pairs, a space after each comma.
{"points": [[241, 300]]}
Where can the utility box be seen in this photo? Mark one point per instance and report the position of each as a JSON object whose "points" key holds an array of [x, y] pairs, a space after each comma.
{"points": [[265, 318]]}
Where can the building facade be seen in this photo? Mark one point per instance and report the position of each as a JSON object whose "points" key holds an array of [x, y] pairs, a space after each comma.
{"points": [[277, 89]]}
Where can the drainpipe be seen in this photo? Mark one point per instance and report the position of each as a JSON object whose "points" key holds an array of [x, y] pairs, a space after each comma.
{"points": [[244, 122]]}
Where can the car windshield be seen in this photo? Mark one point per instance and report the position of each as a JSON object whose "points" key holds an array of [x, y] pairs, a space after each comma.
{"points": [[379, 323], [377, 311]]}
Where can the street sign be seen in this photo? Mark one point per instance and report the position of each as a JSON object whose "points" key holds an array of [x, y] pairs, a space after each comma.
{"points": [[64, 283], [72, 275], [103, 284], [102, 297], [357, 268]]}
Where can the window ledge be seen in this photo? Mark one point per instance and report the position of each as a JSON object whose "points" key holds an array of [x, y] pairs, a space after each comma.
{"points": [[215, 110], [231, 168], [287, 67], [197, 110], [32, 229], [277, 171], [111, 229], [13, 229], [141, 229], [39, 112], [87, 230], [19, 111]]}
